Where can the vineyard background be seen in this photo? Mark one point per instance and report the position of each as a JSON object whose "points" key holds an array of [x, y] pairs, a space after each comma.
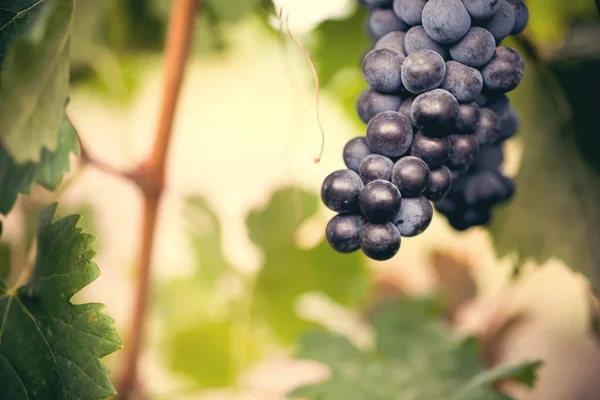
{"points": [[241, 269]]}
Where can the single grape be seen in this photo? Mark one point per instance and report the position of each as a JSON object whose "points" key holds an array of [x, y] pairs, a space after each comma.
{"points": [[434, 151], [508, 124], [411, 175], [379, 201], [423, 71], [487, 132], [482, 9], [521, 16], [509, 189], [502, 23], [343, 232], [483, 189], [481, 99], [490, 157], [498, 103], [355, 151], [469, 219], [380, 241], [446, 21], [475, 49], [371, 103], [504, 71], [405, 107], [435, 112], [381, 69], [375, 167], [464, 151], [440, 183], [414, 216], [389, 133], [410, 11], [465, 83], [468, 118], [341, 189], [383, 21], [394, 40], [378, 3], [416, 39]]}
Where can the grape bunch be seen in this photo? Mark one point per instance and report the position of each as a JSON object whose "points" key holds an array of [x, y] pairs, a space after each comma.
{"points": [[437, 114]]}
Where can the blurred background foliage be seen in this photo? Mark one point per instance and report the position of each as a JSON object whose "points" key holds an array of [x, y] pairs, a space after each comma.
{"points": [[218, 322]]}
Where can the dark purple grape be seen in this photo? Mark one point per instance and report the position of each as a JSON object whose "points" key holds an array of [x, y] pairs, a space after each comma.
{"points": [[504, 71], [379, 201], [446, 205], [521, 16], [376, 167], [340, 191], [490, 157], [464, 151], [371, 103], [481, 100], [434, 151], [394, 40], [482, 9], [343, 232], [484, 188], [508, 124], [383, 21], [416, 39], [411, 176], [405, 107], [355, 151], [423, 71], [381, 69], [378, 3], [465, 83], [502, 23], [410, 11], [475, 49], [414, 216], [468, 118], [435, 112], [498, 103], [446, 21], [440, 183], [487, 132], [380, 241], [389, 133]]}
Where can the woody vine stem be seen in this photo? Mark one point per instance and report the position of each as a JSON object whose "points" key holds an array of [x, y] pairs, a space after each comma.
{"points": [[149, 176]]}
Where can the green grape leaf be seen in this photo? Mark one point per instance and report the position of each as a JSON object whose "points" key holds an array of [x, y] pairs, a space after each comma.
{"points": [[415, 357], [198, 311], [555, 213], [290, 271], [34, 82], [340, 44], [18, 178], [50, 348]]}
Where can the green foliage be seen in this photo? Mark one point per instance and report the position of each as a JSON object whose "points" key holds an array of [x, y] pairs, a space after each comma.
{"points": [[220, 320], [49, 347], [18, 178], [209, 341], [415, 357], [558, 184], [35, 82], [289, 271]]}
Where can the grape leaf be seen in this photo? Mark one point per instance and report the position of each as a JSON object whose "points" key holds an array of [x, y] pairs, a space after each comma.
{"points": [[558, 184], [199, 310], [289, 271], [18, 178], [35, 80], [415, 357], [50, 348]]}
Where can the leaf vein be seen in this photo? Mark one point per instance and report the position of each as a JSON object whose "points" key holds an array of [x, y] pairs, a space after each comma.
{"points": [[17, 375], [17, 15]]}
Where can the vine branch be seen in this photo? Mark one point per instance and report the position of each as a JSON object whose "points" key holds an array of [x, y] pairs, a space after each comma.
{"points": [[150, 177]]}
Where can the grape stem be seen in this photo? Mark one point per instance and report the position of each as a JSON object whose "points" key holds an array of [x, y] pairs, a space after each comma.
{"points": [[150, 177]]}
